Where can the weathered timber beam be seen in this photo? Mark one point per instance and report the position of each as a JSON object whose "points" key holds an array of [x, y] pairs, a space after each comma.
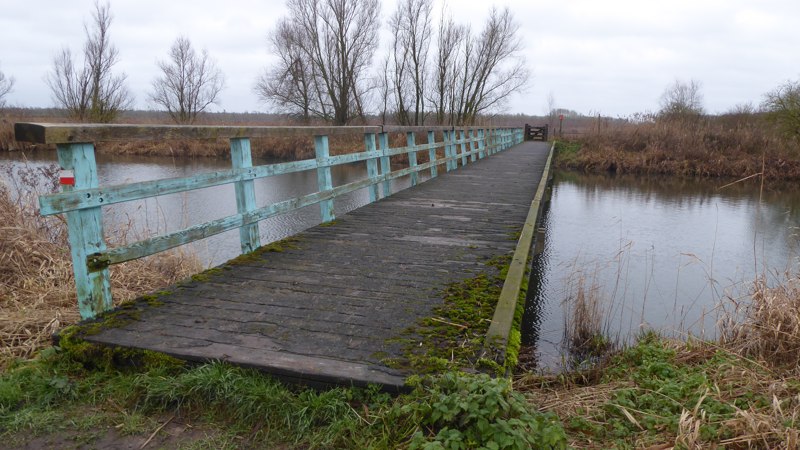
{"points": [[67, 133]]}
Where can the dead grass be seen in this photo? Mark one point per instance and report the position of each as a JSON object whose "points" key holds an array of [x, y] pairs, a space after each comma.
{"points": [[765, 325], [735, 145], [37, 289]]}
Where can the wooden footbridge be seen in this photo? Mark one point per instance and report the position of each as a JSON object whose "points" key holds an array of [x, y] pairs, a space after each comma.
{"points": [[329, 304]]}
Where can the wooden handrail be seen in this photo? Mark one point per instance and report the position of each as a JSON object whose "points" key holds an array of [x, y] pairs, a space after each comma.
{"points": [[82, 201]]}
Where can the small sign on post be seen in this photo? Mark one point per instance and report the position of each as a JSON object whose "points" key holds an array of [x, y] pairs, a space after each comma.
{"points": [[66, 177]]}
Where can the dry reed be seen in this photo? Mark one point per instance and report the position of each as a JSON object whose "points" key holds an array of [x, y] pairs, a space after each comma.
{"points": [[733, 145], [37, 288], [766, 324]]}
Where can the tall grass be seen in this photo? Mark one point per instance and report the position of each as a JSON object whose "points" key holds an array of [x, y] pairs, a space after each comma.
{"points": [[37, 288], [734, 145]]}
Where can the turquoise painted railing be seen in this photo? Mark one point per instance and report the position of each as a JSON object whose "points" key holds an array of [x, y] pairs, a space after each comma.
{"points": [[82, 199]]}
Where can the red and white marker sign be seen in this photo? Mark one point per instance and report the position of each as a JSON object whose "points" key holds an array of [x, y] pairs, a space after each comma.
{"points": [[66, 177]]}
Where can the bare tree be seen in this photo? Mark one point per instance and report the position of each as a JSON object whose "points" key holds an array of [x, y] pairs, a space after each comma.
{"points": [[497, 67], [188, 84], [92, 92], [783, 107], [551, 110], [325, 48], [412, 31], [384, 90], [476, 74], [682, 100], [6, 86], [449, 39], [289, 85]]}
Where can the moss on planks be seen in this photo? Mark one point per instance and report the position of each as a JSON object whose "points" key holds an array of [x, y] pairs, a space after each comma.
{"points": [[453, 336]]}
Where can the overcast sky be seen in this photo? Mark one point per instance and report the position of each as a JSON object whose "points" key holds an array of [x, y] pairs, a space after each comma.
{"points": [[613, 57]]}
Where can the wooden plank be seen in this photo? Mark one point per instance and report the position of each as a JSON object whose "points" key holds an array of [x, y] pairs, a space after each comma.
{"points": [[85, 229], [101, 196], [481, 144], [245, 194], [65, 133]]}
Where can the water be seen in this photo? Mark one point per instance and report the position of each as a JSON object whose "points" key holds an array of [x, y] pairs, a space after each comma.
{"points": [[659, 252], [139, 219]]}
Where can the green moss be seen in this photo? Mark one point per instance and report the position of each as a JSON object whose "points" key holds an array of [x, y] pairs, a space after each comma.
{"points": [[206, 274], [96, 356], [328, 224], [256, 255], [453, 337]]}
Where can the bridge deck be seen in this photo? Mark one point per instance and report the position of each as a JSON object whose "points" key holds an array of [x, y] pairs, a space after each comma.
{"points": [[323, 308]]}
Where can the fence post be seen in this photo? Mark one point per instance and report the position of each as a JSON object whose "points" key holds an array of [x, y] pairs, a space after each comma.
{"points": [[448, 150], [324, 176], [432, 152], [412, 156], [462, 137], [372, 166], [481, 143], [241, 158], [472, 157], [386, 164], [85, 229]]}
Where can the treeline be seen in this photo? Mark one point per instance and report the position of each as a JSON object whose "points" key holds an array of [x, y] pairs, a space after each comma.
{"points": [[436, 74]]}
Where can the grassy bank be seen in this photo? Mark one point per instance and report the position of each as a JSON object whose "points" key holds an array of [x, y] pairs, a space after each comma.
{"points": [[741, 391], [736, 145]]}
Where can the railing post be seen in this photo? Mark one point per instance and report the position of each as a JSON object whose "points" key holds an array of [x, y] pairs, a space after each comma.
{"points": [[481, 143], [386, 164], [472, 157], [432, 152], [412, 156], [372, 166], [324, 176], [241, 158], [448, 150], [85, 229], [462, 138]]}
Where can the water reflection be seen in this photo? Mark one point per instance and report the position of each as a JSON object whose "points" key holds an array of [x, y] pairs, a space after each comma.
{"points": [[659, 252]]}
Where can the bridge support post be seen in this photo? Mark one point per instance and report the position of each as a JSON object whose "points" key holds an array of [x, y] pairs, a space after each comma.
{"points": [[85, 227], [324, 176], [241, 158], [386, 164], [432, 152], [372, 166], [412, 157]]}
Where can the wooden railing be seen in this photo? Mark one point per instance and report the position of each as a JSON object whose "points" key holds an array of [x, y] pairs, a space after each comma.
{"points": [[82, 199]]}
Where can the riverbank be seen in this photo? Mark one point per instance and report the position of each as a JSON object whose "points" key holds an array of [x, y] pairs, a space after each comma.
{"points": [[735, 146]]}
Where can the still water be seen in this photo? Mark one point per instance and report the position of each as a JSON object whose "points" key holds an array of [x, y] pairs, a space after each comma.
{"points": [[658, 253]]}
